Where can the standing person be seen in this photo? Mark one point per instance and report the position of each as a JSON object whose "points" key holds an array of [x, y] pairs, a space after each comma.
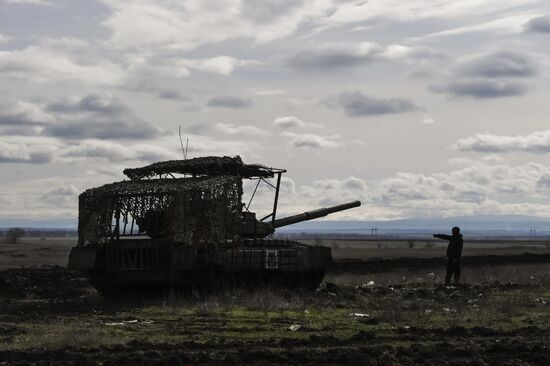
{"points": [[454, 252]]}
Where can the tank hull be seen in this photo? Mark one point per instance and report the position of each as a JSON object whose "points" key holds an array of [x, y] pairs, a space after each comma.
{"points": [[151, 265]]}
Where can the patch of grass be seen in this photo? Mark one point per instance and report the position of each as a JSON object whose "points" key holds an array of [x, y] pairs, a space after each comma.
{"points": [[63, 333]]}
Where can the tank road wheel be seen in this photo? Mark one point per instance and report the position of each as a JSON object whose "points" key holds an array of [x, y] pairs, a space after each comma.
{"points": [[311, 280], [308, 281], [101, 280], [316, 277]]}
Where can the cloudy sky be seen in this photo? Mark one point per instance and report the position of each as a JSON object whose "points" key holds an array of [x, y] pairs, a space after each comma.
{"points": [[419, 108]]}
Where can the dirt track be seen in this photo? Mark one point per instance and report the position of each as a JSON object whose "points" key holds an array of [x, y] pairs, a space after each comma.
{"points": [[479, 324]]}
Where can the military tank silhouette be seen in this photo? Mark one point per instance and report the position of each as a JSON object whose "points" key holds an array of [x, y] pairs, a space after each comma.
{"points": [[182, 224]]}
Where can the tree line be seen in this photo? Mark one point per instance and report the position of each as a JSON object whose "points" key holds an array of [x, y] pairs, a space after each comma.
{"points": [[14, 235]]}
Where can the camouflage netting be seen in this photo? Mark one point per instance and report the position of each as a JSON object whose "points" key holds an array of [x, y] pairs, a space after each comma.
{"points": [[208, 165], [189, 210]]}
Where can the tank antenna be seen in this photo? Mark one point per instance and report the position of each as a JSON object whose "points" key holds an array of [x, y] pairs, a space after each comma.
{"points": [[186, 149], [181, 143]]}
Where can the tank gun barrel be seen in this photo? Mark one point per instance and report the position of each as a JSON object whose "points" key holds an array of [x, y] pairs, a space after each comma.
{"points": [[310, 215]]}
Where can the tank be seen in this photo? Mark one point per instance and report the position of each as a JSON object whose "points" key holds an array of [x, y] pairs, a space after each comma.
{"points": [[181, 224]]}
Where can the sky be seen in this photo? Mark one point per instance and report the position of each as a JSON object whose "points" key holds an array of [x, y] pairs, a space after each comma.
{"points": [[418, 108]]}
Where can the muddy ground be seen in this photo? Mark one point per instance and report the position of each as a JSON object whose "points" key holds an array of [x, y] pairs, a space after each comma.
{"points": [[52, 316]]}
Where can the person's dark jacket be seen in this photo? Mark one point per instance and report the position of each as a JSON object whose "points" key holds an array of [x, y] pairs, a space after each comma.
{"points": [[454, 250]]}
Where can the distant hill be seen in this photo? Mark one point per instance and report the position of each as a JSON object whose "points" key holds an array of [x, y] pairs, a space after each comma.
{"points": [[42, 224], [501, 224]]}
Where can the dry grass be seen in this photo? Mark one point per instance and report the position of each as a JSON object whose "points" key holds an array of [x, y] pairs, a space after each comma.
{"points": [[64, 333], [262, 300]]}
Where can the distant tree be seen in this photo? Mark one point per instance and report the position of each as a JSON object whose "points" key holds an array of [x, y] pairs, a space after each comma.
{"points": [[14, 234], [317, 240]]}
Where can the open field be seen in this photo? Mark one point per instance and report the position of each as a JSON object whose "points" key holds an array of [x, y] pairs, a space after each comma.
{"points": [[36, 252], [425, 248], [405, 316]]}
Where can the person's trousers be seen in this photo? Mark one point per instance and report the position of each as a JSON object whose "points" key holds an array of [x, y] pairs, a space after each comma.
{"points": [[453, 268]]}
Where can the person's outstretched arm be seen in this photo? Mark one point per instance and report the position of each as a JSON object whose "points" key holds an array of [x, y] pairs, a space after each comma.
{"points": [[442, 236]]}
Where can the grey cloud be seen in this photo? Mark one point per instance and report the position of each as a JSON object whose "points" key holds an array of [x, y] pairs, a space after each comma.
{"points": [[198, 129], [267, 10], [327, 184], [192, 108], [354, 183], [538, 142], [143, 82], [97, 116], [424, 72], [17, 120], [497, 65], [289, 122], [171, 94], [44, 63], [18, 113], [357, 104], [307, 140], [538, 24], [483, 88], [479, 143], [33, 158], [19, 131], [116, 152], [472, 184], [61, 195], [240, 130], [310, 141], [92, 116], [33, 2], [24, 153], [544, 181], [402, 189], [95, 149], [176, 25], [4, 38], [466, 191], [287, 185], [93, 102], [66, 190], [334, 56], [490, 75], [327, 59], [112, 129], [152, 153], [226, 129], [229, 102]]}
